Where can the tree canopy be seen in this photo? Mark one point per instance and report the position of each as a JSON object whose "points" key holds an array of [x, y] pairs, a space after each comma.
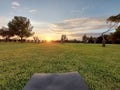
{"points": [[21, 27], [6, 33], [63, 38], [84, 38], [115, 20]]}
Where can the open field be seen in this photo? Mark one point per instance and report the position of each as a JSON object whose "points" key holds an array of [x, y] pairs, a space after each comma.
{"points": [[100, 67]]}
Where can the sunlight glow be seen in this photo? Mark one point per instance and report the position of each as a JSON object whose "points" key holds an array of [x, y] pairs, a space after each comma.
{"points": [[48, 39]]}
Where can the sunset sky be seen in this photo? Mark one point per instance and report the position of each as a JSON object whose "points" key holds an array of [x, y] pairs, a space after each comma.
{"points": [[51, 18]]}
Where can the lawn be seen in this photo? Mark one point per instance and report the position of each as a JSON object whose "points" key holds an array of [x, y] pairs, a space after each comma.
{"points": [[99, 67]]}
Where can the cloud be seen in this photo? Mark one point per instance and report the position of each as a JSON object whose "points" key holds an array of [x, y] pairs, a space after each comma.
{"points": [[33, 11], [41, 27], [15, 4], [88, 34], [79, 25], [3, 21]]}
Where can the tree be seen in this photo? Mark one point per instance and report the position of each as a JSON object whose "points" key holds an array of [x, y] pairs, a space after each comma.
{"points": [[6, 33], [113, 20], [63, 38], [84, 38], [115, 37], [117, 34], [90, 39], [21, 27], [94, 40], [100, 39], [112, 38], [36, 39]]}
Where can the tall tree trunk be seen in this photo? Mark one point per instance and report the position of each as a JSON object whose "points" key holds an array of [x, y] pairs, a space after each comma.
{"points": [[103, 41], [94, 41], [7, 39], [21, 39]]}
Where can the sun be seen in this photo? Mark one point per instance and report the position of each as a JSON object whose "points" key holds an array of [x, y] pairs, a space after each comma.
{"points": [[48, 39]]}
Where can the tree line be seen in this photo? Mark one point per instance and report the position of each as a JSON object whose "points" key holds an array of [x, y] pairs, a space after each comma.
{"points": [[113, 37], [109, 39], [104, 38], [20, 26]]}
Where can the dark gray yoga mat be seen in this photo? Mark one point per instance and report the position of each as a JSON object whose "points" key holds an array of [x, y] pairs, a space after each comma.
{"points": [[56, 81]]}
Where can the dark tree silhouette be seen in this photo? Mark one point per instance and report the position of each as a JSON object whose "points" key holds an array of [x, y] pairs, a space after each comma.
{"points": [[100, 38], [90, 39], [63, 38], [117, 34], [115, 37], [84, 38], [6, 33], [21, 27], [36, 39]]}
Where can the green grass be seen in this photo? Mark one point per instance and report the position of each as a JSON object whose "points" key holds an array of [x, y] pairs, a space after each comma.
{"points": [[99, 67]]}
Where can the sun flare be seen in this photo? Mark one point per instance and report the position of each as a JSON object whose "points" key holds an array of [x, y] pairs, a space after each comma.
{"points": [[48, 39]]}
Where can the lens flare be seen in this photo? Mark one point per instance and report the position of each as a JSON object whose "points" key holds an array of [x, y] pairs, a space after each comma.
{"points": [[48, 39]]}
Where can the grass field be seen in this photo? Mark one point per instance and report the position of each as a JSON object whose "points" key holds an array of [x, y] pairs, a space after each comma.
{"points": [[99, 67]]}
